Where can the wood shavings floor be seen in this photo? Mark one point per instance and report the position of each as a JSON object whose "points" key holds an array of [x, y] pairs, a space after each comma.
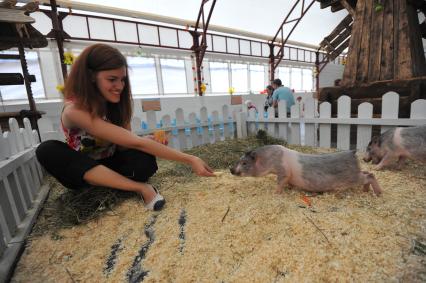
{"points": [[230, 229]]}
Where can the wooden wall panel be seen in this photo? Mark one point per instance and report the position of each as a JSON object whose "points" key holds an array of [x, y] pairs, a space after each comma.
{"points": [[387, 54], [376, 38], [385, 44]]}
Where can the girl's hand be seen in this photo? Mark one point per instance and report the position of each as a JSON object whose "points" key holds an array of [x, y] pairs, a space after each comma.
{"points": [[201, 168]]}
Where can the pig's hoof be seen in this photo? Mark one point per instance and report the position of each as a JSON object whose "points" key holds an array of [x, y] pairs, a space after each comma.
{"points": [[279, 191], [366, 188]]}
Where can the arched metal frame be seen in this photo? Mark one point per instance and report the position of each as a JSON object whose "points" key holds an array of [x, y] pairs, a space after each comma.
{"points": [[199, 47]]}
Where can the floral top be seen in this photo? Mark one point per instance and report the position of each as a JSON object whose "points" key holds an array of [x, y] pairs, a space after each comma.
{"points": [[80, 140]]}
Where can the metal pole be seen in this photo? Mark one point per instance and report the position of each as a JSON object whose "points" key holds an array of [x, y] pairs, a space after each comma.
{"points": [[26, 75], [33, 110], [200, 49], [317, 71], [198, 61], [271, 62], [58, 32]]}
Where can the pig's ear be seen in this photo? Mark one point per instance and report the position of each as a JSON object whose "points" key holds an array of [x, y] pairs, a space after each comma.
{"points": [[252, 155], [375, 140]]}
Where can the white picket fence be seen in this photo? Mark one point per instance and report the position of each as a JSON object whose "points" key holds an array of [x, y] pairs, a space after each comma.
{"points": [[314, 127], [21, 191], [192, 130]]}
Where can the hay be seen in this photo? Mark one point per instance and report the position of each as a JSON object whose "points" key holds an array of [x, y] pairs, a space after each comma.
{"points": [[67, 208], [219, 155], [234, 229]]}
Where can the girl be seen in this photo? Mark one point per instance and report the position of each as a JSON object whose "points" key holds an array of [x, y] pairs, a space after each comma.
{"points": [[101, 150]]}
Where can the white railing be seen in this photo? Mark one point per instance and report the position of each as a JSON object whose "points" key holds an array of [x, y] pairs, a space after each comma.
{"points": [[21, 191], [308, 124], [313, 128]]}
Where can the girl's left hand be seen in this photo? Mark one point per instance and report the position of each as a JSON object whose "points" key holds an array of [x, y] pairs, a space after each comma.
{"points": [[201, 168]]}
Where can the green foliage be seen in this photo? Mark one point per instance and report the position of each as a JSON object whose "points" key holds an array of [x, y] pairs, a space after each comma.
{"points": [[378, 7]]}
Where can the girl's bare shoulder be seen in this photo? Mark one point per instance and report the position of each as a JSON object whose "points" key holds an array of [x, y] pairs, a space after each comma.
{"points": [[72, 114]]}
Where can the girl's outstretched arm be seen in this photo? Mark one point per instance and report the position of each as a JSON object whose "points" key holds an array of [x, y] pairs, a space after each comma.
{"points": [[73, 116]]}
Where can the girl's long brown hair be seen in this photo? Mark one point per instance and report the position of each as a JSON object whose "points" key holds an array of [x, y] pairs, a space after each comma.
{"points": [[81, 86]]}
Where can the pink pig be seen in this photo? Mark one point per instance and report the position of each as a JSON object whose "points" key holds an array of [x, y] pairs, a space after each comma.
{"points": [[309, 172]]}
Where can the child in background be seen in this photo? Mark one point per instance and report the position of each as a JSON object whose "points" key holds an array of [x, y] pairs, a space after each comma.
{"points": [[101, 150], [269, 101]]}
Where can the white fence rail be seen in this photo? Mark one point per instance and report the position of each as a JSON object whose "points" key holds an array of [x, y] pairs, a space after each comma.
{"points": [[187, 131], [21, 189], [308, 124], [316, 126]]}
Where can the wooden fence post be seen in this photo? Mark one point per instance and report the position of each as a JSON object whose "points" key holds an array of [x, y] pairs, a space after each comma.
{"points": [[295, 126], [365, 111], [390, 108], [418, 109], [310, 134], [282, 127], [343, 131]]}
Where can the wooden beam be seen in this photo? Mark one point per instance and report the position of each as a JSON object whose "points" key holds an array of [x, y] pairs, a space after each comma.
{"points": [[376, 41], [338, 29], [14, 79], [351, 67], [327, 3], [364, 49], [342, 37], [333, 55], [423, 29], [337, 7], [348, 7], [388, 44], [9, 56]]}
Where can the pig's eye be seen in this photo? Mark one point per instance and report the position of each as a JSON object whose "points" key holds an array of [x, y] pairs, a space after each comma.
{"points": [[244, 163]]}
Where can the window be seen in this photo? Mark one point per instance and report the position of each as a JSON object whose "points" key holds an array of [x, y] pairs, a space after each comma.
{"points": [[142, 75], [219, 77], [13, 92], [307, 79], [174, 76], [284, 75], [257, 78], [239, 77], [296, 79]]}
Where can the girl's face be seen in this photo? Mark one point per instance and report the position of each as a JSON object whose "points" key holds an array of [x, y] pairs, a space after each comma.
{"points": [[111, 83]]}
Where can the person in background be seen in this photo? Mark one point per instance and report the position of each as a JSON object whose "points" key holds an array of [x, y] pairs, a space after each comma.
{"points": [[100, 148], [269, 101], [281, 93], [301, 106]]}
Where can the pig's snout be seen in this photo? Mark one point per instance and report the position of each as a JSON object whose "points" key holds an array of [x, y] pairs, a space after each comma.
{"points": [[367, 156], [234, 171]]}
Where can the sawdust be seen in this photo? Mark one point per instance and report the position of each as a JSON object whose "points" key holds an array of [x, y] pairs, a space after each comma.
{"points": [[230, 229]]}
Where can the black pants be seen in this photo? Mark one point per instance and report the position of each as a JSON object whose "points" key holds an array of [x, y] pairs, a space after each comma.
{"points": [[69, 166]]}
